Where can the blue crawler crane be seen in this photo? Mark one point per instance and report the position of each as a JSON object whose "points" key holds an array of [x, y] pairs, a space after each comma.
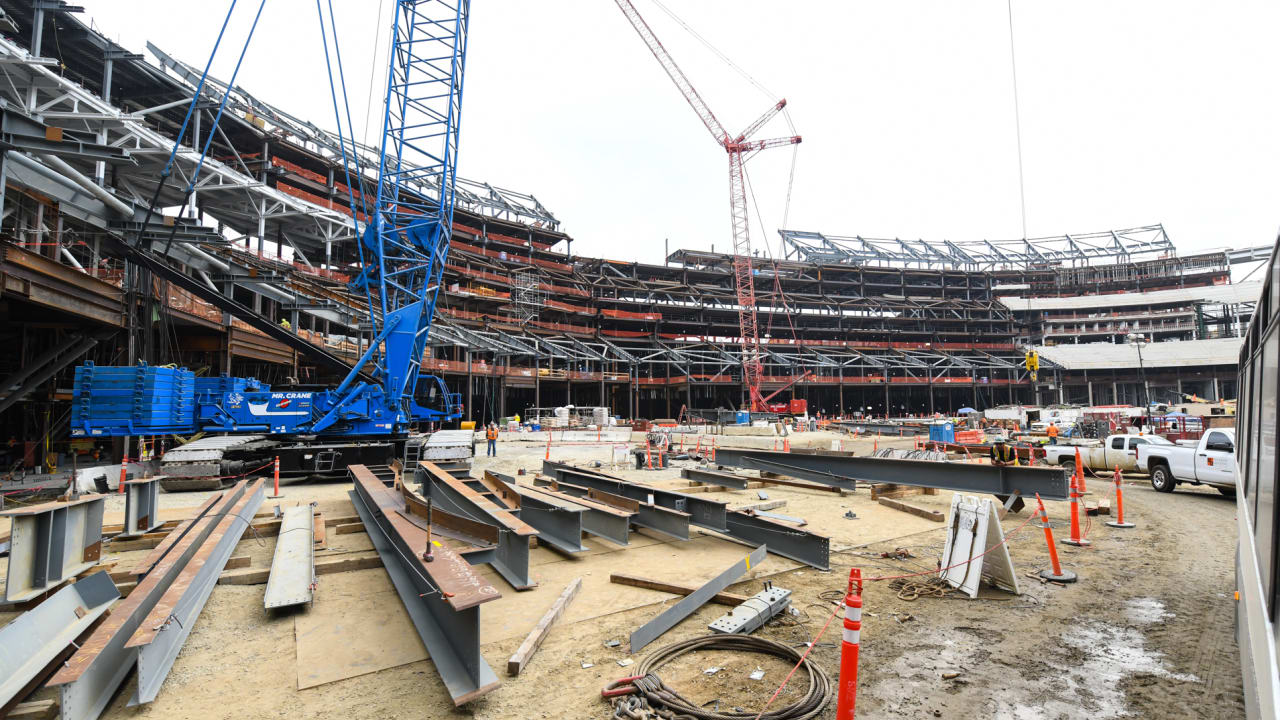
{"points": [[366, 417]]}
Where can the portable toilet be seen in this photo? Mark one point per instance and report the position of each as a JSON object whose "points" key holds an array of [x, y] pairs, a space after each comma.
{"points": [[942, 432]]}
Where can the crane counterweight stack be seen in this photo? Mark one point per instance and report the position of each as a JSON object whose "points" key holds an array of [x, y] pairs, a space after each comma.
{"points": [[735, 147]]}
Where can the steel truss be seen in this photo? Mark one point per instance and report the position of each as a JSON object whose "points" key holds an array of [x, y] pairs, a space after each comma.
{"points": [[1120, 245]]}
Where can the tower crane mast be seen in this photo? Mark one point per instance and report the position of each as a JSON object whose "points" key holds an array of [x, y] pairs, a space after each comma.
{"points": [[735, 147]]}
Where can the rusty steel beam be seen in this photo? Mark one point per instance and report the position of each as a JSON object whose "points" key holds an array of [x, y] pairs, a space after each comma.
{"points": [[443, 597], [91, 676]]}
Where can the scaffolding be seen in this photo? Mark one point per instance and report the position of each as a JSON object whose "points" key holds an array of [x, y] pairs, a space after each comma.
{"points": [[527, 296]]}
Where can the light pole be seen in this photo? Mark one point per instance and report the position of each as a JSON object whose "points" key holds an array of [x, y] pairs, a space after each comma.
{"points": [[1137, 340]]}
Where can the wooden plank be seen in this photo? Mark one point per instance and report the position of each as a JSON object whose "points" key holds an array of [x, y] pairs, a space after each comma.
{"points": [[1104, 506], [146, 542], [341, 520], [720, 598], [37, 710], [238, 561], [933, 515], [258, 576], [318, 533], [539, 633], [347, 529]]}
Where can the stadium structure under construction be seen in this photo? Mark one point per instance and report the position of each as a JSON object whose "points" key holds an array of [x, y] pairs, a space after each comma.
{"points": [[266, 252]]}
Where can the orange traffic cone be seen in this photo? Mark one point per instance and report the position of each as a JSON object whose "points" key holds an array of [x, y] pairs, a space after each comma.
{"points": [[1055, 572], [1076, 538], [1119, 521], [1080, 473]]}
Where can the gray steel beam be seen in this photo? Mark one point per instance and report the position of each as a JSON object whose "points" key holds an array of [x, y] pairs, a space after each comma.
{"points": [[1049, 482], [141, 506], [598, 519], [50, 543], [653, 629], [37, 637], [558, 525], [822, 477], [511, 559], [647, 515], [702, 512], [803, 546], [449, 626], [90, 678], [293, 562], [161, 636], [728, 480]]}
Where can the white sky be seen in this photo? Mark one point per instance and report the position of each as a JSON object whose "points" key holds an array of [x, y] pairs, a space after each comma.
{"points": [[1136, 112]]}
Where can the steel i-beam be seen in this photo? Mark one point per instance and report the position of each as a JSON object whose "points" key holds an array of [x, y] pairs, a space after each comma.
{"points": [[442, 597], [512, 557], [1049, 482], [558, 525], [50, 543], [141, 506], [160, 637], [702, 512]]}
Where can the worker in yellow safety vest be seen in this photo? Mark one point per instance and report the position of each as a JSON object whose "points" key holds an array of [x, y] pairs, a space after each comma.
{"points": [[1001, 453]]}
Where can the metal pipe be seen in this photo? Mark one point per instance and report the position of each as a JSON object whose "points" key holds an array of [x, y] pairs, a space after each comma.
{"points": [[70, 258], [85, 182]]}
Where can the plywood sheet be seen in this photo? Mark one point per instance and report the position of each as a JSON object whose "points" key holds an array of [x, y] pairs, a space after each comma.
{"points": [[336, 642]]}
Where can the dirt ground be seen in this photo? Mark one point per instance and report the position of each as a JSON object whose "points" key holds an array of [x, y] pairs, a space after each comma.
{"points": [[1147, 632]]}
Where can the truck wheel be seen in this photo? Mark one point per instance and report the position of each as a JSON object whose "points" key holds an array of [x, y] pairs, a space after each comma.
{"points": [[1162, 480], [1228, 491]]}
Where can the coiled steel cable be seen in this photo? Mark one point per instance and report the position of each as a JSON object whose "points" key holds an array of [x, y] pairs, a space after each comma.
{"points": [[660, 695]]}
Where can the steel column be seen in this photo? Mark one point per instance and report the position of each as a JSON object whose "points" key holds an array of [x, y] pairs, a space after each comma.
{"points": [[800, 545], [141, 506]]}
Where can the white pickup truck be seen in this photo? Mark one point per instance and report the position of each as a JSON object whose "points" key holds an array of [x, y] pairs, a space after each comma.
{"points": [[1210, 462], [1116, 450]]}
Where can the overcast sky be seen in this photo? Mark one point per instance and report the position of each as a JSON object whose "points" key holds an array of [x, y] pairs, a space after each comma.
{"points": [[1133, 112]]}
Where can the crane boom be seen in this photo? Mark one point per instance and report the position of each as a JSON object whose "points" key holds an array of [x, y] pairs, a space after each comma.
{"points": [[735, 147], [673, 71]]}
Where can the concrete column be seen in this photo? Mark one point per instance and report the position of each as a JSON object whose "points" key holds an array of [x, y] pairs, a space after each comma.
{"points": [[1217, 392], [1115, 392], [1089, 383]]}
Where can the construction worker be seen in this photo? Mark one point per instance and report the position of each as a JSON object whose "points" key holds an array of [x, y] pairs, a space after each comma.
{"points": [[1001, 453], [491, 434], [1052, 431]]}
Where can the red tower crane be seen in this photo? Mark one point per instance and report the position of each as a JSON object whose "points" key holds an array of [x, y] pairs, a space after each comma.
{"points": [[735, 146]]}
